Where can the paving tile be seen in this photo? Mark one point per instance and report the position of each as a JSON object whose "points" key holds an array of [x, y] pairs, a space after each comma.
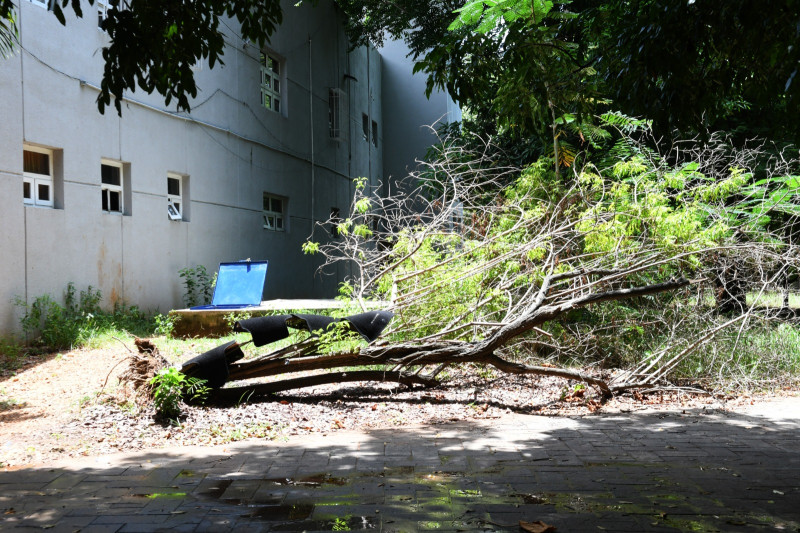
{"points": [[623, 472]]}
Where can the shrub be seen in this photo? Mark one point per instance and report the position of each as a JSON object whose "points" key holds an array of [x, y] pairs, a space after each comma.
{"points": [[170, 387], [198, 285], [52, 326]]}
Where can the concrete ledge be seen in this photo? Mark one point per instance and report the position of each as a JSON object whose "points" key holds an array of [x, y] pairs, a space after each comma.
{"points": [[214, 323]]}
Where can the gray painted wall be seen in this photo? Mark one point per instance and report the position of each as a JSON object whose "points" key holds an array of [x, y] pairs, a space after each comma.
{"points": [[410, 119], [231, 149]]}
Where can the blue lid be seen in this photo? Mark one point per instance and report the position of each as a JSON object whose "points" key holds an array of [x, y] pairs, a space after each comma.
{"points": [[240, 283]]}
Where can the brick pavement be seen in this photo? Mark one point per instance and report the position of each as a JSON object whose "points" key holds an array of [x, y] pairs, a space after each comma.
{"points": [[646, 471]]}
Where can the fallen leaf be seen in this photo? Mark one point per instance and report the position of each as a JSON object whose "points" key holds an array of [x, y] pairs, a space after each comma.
{"points": [[536, 527]]}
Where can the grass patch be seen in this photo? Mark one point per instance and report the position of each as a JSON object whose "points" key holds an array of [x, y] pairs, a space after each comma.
{"points": [[772, 299], [764, 354]]}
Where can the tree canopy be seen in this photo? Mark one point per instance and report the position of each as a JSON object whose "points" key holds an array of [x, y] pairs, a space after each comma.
{"points": [[691, 66]]}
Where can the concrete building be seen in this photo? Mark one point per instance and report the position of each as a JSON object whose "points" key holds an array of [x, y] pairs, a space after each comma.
{"points": [[272, 143]]}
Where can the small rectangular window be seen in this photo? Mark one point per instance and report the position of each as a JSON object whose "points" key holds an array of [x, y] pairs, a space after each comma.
{"points": [[274, 212], [375, 134], [175, 193], [365, 126], [111, 187], [335, 99], [37, 176], [43, 3]]}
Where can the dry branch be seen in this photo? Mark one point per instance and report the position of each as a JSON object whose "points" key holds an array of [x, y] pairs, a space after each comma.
{"points": [[470, 267]]}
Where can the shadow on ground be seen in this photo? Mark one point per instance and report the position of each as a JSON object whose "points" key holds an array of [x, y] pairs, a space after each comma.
{"points": [[689, 471]]}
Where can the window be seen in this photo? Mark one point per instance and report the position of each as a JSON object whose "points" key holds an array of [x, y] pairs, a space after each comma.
{"points": [[375, 134], [335, 98], [175, 194], [111, 187], [37, 176], [44, 3], [274, 213], [365, 126], [102, 12], [271, 82]]}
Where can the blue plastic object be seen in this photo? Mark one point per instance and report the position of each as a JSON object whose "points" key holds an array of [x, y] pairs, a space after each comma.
{"points": [[239, 285]]}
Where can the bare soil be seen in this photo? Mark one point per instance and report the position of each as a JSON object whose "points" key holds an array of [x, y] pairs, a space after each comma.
{"points": [[71, 404]]}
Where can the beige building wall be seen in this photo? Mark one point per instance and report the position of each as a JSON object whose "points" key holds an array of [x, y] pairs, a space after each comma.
{"points": [[229, 151]]}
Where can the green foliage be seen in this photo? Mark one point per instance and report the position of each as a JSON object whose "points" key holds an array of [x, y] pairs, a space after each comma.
{"points": [[9, 36], [310, 247], [170, 387], [164, 324], [339, 338], [11, 354], [693, 67], [198, 286], [761, 353], [485, 16], [57, 326], [234, 317], [79, 321]]}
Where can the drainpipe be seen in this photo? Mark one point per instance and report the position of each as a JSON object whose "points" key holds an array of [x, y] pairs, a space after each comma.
{"points": [[311, 134]]}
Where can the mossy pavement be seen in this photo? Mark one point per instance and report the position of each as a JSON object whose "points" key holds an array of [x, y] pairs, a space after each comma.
{"points": [[692, 470]]}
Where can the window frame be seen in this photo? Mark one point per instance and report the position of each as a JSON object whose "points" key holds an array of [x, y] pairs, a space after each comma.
{"points": [[175, 201], [45, 4], [365, 126], [107, 188], [279, 218], [272, 82], [36, 180], [335, 99], [102, 12]]}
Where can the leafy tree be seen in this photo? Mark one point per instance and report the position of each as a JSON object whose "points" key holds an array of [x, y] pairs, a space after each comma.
{"points": [[700, 65], [694, 66]]}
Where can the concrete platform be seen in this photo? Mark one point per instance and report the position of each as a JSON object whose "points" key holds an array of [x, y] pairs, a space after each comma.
{"points": [[216, 322]]}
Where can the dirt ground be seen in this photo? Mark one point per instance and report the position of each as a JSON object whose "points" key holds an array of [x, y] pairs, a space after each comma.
{"points": [[71, 404]]}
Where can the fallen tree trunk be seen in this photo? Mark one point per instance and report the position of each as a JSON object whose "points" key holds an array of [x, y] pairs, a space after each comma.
{"points": [[409, 360]]}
